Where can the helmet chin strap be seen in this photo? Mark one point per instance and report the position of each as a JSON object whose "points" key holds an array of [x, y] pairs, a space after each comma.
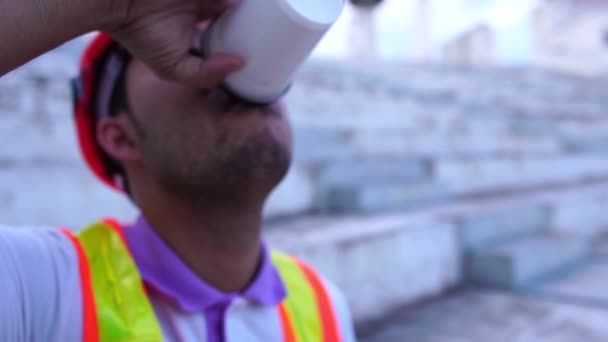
{"points": [[112, 69]]}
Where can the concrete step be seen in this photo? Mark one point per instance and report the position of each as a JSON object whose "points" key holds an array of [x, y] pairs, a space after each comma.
{"points": [[373, 170], [486, 228], [313, 144], [378, 198], [600, 246], [585, 285], [588, 144], [524, 263], [493, 175], [345, 186]]}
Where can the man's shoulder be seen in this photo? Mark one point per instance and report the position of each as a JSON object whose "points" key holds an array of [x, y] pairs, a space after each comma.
{"points": [[34, 241], [36, 253], [40, 284], [341, 310]]}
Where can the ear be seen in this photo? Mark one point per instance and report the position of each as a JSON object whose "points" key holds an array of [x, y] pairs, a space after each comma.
{"points": [[118, 139]]}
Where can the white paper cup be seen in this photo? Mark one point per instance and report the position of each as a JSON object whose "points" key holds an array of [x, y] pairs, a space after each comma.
{"points": [[274, 37]]}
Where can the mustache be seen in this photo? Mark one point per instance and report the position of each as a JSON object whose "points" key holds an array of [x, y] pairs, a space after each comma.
{"points": [[225, 101]]}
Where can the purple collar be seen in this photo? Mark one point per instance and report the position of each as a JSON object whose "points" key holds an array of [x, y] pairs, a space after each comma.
{"points": [[164, 272]]}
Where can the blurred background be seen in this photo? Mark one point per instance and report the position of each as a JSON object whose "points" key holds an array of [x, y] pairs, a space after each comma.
{"points": [[450, 173]]}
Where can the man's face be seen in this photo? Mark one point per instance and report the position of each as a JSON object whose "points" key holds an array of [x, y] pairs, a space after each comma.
{"points": [[198, 142]]}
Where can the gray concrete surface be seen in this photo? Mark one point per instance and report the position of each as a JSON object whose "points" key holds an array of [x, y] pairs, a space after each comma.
{"points": [[483, 316], [573, 308], [587, 285]]}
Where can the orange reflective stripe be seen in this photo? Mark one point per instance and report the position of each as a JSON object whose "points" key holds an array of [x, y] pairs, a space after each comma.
{"points": [[307, 313], [289, 335], [90, 328], [114, 225], [117, 228], [300, 304], [331, 331]]}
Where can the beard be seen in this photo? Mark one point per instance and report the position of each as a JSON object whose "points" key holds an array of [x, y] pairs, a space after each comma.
{"points": [[231, 172]]}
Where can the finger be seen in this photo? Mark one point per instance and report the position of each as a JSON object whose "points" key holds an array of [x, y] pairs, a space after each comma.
{"points": [[206, 73]]}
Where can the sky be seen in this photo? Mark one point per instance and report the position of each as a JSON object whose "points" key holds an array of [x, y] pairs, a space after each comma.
{"points": [[509, 18]]}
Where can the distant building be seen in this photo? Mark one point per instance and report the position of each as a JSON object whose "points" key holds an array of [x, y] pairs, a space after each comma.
{"points": [[362, 40], [571, 36], [474, 47], [364, 22], [422, 42]]}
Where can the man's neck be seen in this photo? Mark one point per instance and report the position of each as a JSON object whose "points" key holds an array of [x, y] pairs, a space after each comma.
{"points": [[221, 244]]}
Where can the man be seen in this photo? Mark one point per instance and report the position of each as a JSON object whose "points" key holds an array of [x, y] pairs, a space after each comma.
{"points": [[193, 267], [199, 164]]}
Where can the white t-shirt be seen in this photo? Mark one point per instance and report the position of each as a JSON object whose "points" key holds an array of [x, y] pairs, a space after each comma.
{"points": [[40, 298]]}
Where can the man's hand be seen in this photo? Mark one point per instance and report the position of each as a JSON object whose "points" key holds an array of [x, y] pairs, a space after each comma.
{"points": [[162, 33], [159, 32]]}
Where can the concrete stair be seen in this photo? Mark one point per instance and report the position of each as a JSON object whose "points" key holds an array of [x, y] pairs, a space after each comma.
{"points": [[488, 228], [526, 262], [377, 185], [512, 248], [357, 172], [374, 198]]}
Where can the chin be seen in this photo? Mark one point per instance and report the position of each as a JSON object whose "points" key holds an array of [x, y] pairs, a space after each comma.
{"points": [[261, 161]]}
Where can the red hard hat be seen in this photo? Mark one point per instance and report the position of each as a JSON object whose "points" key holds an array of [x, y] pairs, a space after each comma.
{"points": [[92, 91]]}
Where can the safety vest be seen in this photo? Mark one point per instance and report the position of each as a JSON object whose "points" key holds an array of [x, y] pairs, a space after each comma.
{"points": [[116, 306]]}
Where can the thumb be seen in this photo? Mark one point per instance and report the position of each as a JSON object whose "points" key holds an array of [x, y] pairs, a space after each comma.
{"points": [[208, 72]]}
